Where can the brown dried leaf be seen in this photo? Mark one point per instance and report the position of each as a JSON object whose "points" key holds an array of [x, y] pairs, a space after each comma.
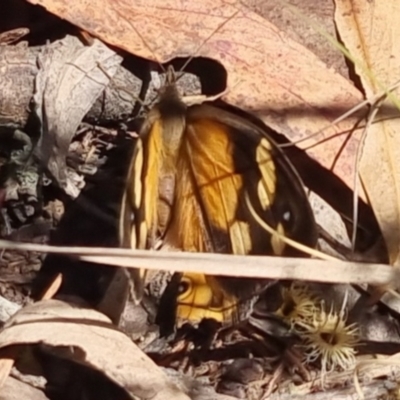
{"points": [[370, 31], [56, 323], [268, 73]]}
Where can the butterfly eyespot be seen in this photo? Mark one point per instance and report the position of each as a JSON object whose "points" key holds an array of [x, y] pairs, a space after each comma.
{"points": [[184, 286], [286, 216]]}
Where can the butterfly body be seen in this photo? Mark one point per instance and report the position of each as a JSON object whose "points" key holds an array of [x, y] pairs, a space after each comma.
{"points": [[191, 172]]}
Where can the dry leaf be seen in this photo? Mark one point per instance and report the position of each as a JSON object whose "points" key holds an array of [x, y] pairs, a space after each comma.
{"points": [[14, 389], [268, 73], [370, 31], [106, 349], [70, 80]]}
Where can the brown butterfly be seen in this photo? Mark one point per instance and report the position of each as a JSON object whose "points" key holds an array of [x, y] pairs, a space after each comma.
{"points": [[191, 171]]}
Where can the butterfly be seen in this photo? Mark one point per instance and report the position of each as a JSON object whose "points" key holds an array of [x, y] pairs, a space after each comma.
{"points": [[192, 168]]}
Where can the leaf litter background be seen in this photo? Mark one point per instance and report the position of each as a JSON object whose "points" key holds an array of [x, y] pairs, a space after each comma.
{"points": [[271, 73]]}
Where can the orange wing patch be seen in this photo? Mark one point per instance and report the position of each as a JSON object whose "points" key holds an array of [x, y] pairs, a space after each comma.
{"points": [[202, 297], [208, 192]]}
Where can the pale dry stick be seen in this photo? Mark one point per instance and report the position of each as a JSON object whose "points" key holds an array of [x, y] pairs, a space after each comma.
{"points": [[7, 361], [393, 293], [378, 98], [273, 382], [330, 125], [375, 104], [53, 288], [360, 148], [357, 386], [347, 114], [342, 378], [393, 360], [13, 35], [264, 267]]}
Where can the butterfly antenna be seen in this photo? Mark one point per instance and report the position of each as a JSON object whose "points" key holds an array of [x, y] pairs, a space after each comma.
{"points": [[121, 88], [218, 28]]}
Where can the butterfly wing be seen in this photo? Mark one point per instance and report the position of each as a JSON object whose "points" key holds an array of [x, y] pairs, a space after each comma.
{"points": [[224, 159], [138, 218]]}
